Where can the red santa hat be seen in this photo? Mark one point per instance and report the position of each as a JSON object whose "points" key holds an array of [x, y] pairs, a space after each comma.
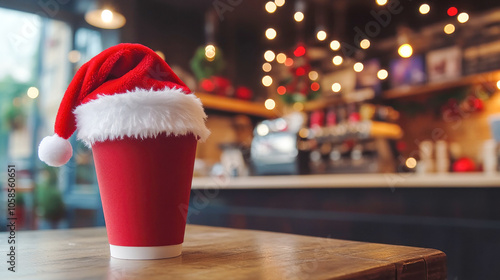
{"points": [[125, 91]]}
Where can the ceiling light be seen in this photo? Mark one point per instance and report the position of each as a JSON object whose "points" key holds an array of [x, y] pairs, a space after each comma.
{"points": [[105, 19]]}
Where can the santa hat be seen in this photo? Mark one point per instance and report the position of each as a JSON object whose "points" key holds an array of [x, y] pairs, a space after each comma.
{"points": [[125, 91]]}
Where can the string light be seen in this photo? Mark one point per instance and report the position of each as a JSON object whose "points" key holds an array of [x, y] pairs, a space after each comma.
{"points": [[449, 28], [269, 56], [411, 162], [281, 90], [452, 11], [358, 66], [405, 50], [270, 7], [106, 16], [270, 33], [315, 86], [335, 45], [32, 92], [289, 62], [281, 58], [381, 2], [298, 16], [279, 3], [321, 35], [463, 17], [210, 52], [382, 74], [364, 44], [270, 104], [267, 80], [498, 84], [337, 60], [313, 75], [267, 67], [424, 9], [336, 87]]}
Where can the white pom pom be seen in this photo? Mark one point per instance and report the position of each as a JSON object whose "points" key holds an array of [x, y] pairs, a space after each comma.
{"points": [[55, 150]]}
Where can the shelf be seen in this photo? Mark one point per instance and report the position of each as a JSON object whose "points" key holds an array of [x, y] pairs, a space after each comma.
{"points": [[232, 105], [442, 86], [332, 181], [406, 91]]}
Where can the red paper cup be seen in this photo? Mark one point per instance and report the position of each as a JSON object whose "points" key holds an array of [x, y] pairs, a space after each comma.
{"points": [[145, 186]]}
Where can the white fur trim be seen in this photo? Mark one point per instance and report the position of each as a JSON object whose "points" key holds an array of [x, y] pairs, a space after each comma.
{"points": [[141, 113], [55, 150]]}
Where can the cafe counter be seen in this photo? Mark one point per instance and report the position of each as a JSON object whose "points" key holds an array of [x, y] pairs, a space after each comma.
{"points": [[455, 213]]}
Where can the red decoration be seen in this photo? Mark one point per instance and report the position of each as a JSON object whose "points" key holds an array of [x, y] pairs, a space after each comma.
{"points": [[317, 119], [300, 71], [452, 11], [222, 86], [299, 51], [244, 93], [281, 90], [207, 85], [315, 86], [464, 165]]}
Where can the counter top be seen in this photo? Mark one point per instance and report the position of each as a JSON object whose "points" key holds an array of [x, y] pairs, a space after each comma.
{"points": [[390, 180], [219, 253]]}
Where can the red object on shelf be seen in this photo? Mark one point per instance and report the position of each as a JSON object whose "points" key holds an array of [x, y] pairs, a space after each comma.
{"points": [[464, 165], [300, 71], [207, 85], [317, 119], [331, 118], [244, 93], [299, 51]]}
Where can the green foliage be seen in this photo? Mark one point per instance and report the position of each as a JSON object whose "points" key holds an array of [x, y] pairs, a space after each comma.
{"points": [[203, 68], [48, 198]]}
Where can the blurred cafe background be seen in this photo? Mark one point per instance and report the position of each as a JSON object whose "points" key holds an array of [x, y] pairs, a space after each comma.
{"points": [[370, 120]]}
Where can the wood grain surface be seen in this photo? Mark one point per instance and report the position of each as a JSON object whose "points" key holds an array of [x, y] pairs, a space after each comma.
{"points": [[220, 253]]}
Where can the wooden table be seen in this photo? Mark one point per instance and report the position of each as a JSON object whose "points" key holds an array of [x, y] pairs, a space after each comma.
{"points": [[219, 253]]}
